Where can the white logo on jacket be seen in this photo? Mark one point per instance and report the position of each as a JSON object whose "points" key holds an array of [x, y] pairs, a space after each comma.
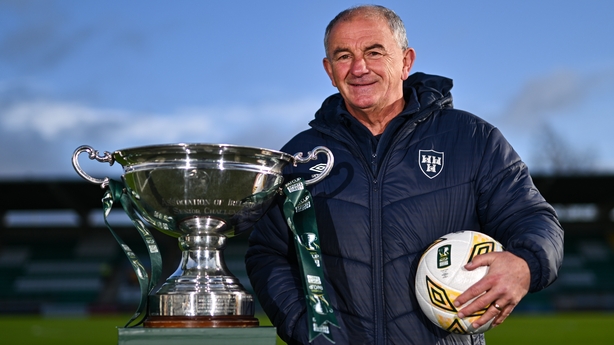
{"points": [[431, 162], [318, 167]]}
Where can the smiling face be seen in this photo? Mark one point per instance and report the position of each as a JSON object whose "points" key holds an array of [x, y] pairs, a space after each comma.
{"points": [[367, 65]]}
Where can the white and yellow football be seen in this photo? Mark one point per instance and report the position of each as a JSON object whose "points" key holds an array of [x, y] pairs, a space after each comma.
{"points": [[441, 278]]}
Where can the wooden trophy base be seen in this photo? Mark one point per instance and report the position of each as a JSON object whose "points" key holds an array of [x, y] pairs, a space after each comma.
{"points": [[236, 321], [197, 336]]}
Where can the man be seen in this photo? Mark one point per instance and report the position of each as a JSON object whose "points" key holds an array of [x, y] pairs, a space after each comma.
{"points": [[408, 169]]}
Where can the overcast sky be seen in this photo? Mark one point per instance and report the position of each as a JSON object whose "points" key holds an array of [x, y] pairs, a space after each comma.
{"points": [[119, 74]]}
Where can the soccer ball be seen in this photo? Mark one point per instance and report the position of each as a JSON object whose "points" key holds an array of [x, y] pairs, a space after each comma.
{"points": [[441, 278]]}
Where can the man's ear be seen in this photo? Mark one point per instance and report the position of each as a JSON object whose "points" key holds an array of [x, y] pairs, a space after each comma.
{"points": [[409, 56], [328, 67]]}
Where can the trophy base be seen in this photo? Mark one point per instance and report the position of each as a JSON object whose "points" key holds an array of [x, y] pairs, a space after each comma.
{"points": [[196, 336], [236, 321]]}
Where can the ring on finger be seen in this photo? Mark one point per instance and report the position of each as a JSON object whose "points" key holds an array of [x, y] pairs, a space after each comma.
{"points": [[497, 306]]}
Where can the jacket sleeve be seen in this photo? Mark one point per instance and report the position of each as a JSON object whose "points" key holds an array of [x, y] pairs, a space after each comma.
{"points": [[512, 210], [274, 274]]}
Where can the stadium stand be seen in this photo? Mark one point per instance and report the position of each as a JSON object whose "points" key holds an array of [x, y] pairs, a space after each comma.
{"points": [[57, 256]]}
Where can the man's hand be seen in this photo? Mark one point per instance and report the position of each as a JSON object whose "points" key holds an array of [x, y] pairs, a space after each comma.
{"points": [[505, 284]]}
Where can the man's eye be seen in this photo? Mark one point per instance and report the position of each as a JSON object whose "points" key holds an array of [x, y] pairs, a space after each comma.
{"points": [[374, 53], [343, 57]]}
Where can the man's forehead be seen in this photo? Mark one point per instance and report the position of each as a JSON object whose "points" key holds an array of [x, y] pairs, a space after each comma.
{"points": [[357, 22], [360, 33]]}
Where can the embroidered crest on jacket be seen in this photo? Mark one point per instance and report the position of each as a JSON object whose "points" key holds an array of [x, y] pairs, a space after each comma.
{"points": [[431, 162]]}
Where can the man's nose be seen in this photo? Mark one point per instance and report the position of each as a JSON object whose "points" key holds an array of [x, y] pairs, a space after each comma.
{"points": [[359, 66]]}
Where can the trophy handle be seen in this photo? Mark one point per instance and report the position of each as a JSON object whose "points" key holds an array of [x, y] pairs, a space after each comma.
{"points": [[92, 154], [311, 155]]}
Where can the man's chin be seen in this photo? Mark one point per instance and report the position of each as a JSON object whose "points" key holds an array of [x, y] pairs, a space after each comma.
{"points": [[364, 101], [362, 106]]}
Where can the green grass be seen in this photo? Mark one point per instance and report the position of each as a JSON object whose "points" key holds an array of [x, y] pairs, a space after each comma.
{"points": [[93, 330], [568, 328], [28, 330], [572, 328]]}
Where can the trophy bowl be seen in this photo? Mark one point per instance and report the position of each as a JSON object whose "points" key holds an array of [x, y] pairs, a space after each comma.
{"points": [[202, 194]]}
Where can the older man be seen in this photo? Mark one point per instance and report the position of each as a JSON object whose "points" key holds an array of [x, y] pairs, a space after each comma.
{"points": [[383, 204]]}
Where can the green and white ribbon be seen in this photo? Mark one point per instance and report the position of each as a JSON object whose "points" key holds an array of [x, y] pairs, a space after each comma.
{"points": [[117, 193], [300, 216]]}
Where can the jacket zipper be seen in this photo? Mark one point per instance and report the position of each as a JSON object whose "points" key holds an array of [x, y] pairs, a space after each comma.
{"points": [[377, 244], [377, 260]]}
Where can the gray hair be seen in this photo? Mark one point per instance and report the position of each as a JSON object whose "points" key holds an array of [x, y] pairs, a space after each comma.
{"points": [[394, 22]]}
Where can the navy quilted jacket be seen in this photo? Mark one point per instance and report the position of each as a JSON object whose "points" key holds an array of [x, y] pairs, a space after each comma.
{"points": [[445, 170]]}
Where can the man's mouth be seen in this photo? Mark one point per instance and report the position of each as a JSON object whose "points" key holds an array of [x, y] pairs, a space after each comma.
{"points": [[362, 84]]}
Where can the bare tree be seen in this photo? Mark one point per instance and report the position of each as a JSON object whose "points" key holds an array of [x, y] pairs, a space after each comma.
{"points": [[554, 155]]}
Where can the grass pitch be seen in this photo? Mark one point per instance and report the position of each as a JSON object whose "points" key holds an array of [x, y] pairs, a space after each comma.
{"points": [[568, 328], [572, 328]]}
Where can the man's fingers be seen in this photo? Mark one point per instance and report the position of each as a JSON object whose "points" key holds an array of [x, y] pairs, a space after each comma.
{"points": [[496, 312], [479, 287], [477, 261], [480, 303], [475, 290], [506, 310]]}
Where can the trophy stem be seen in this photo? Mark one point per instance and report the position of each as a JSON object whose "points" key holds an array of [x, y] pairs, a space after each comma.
{"points": [[202, 292]]}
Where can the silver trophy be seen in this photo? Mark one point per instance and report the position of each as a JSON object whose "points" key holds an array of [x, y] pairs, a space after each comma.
{"points": [[202, 194]]}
